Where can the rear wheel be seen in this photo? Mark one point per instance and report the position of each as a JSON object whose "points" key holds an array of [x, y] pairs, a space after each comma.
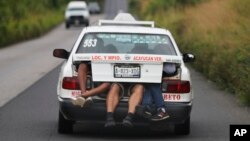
{"points": [[67, 25], [87, 23], [64, 126], [183, 128]]}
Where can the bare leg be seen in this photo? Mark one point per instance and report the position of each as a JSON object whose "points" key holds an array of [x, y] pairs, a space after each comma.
{"points": [[136, 97], [134, 100], [111, 103], [113, 98], [82, 76]]}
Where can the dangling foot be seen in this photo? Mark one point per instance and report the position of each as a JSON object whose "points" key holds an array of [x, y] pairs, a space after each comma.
{"points": [[127, 121], [110, 122], [79, 101], [88, 102], [144, 111], [160, 115]]}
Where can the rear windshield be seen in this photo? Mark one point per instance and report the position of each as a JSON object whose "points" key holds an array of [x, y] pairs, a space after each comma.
{"points": [[126, 44], [76, 9], [93, 5]]}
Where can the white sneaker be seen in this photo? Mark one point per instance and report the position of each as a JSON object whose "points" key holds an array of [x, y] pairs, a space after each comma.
{"points": [[79, 101], [88, 102]]}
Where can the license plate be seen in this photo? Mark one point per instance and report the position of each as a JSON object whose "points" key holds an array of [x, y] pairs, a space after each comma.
{"points": [[127, 71], [77, 22]]}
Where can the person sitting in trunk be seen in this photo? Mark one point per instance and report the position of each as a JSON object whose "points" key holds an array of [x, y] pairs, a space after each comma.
{"points": [[83, 69], [113, 99], [85, 98], [153, 105]]}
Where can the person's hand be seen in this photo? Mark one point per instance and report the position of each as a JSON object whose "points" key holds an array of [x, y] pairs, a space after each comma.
{"points": [[85, 93]]}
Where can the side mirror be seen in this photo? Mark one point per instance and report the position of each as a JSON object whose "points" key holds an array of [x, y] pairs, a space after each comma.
{"points": [[61, 53], [187, 57]]}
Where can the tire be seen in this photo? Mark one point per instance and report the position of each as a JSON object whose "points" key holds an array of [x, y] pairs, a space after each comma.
{"points": [[67, 25], [184, 128], [64, 126], [87, 23]]}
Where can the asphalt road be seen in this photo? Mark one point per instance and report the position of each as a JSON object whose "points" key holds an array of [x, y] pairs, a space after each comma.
{"points": [[32, 115]]}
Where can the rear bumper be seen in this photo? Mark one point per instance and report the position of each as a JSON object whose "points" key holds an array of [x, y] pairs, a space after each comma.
{"points": [[75, 19], [178, 112]]}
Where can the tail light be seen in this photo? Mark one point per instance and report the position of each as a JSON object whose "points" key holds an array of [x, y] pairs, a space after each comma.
{"points": [[175, 86], [70, 83]]}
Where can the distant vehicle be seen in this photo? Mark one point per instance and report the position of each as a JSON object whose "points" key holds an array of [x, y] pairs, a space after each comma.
{"points": [[137, 55], [76, 13], [94, 8]]}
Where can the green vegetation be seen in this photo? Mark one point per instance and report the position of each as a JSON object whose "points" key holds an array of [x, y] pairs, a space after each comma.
{"points": [[24, 19], [217, 32], [21, 20]]}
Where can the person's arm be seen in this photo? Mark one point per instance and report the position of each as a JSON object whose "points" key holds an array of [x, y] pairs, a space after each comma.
{"points": [[101, 88]]}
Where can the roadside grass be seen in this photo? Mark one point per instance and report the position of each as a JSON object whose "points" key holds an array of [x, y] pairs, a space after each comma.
{"points": [[217, 32], [32, 26], [25, 19], [22, 20]]}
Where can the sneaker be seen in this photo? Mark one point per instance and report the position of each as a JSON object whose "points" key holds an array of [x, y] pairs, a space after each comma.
{"points": [[143, 111], [110, 123], [88, 102], [127, 122], [79, 101], [160, 115]]}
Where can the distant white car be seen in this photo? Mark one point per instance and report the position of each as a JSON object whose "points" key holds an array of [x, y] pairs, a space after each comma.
{"points": [[76, 13], [127, 51], [94, 8]]}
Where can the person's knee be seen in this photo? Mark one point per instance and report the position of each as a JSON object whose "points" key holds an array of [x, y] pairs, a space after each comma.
{"points": [[106, 84], [83, 67], [138, 88], [115, 87]]}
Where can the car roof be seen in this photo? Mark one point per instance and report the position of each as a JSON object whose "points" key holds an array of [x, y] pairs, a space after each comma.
{"points": [[126, 29], [77, 4]]}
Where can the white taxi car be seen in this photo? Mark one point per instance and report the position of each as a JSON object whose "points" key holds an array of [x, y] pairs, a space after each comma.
{"points": [[76, 13], [127, 51]]}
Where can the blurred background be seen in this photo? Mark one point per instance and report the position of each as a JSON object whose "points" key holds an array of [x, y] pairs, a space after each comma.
{"points": [[24, 19]]}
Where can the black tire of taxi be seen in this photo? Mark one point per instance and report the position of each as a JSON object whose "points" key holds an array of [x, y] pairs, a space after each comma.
{"points": [[183, 128], [64, 126]]}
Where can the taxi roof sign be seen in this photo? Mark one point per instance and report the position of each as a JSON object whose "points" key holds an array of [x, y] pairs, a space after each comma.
{"points": [[125, 19]]}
